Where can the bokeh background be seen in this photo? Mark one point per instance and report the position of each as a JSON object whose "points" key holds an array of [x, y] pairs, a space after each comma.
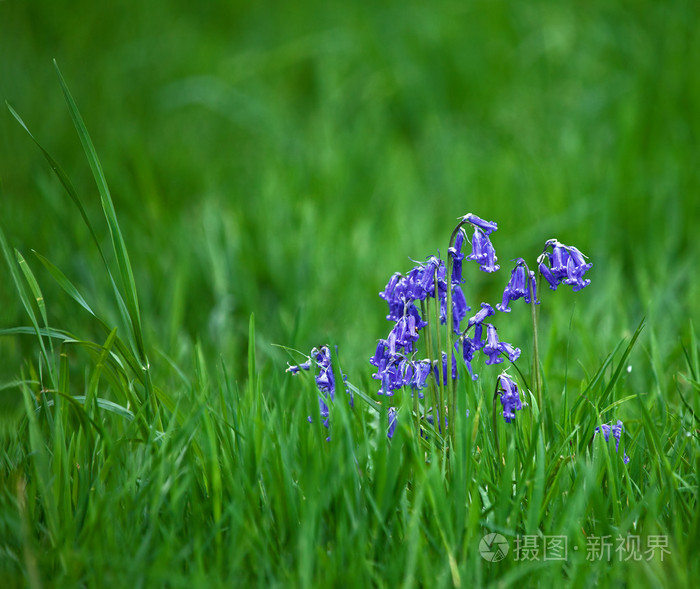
{"points": [[285, 158]]}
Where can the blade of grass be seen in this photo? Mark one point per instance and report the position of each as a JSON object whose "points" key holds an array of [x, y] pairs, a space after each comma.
{"points": [[118, 243], [26, 300]]}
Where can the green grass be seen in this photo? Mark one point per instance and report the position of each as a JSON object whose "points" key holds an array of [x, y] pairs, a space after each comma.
{"points": [[248, 176]]}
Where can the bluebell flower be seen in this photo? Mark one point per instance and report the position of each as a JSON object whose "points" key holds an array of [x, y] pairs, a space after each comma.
{"points": [[564, 264], [494, 347], [481, 315], [420, 375], [522, 281], [403, 334], [510, 396], [457, 256], [511, 351], [380, 355], [483, 251], [295, 369], [325, 381], [392, 422], [487, 227], [430, 270], [468, 350], [482, 248], [477, 322], [616, 430], [412, 310], [393, 295], [391, 378], [459, 307], [413, 289]]}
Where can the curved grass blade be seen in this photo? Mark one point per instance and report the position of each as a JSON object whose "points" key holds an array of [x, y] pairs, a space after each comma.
{"points": [[118, 244]]}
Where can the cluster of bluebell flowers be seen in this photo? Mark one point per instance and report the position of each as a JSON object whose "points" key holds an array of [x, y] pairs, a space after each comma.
{"points": [[416, 356], [320, 358], [564, 263], [617, 431]]}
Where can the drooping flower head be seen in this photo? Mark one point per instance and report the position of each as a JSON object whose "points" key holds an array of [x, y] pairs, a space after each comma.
{"points": [[521, 284], [483, 251], [510, 397], [325, 381], [478, 318], [564, 263], [616, 430], [455, 252], [488, 227], [495, 347]]}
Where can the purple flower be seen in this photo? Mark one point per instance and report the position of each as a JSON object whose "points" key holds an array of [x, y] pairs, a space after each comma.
{"points": [[443, 364], [616, 430], [487, 227], [478, 318], [483, 252], [380, 355], [391, 378], [494, 347], [325, 381], [511, 351], [477, 323], [413, 289], [459, 307], [564, 264], [295, 369], [403, 334], [510, 397], [457, 256], [522, 280], [392, 422], [434, 266], [394, 295], [468, 349], [420, 374]]}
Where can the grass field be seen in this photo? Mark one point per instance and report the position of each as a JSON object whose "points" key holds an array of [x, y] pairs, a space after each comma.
{"points": [[248, 178]]}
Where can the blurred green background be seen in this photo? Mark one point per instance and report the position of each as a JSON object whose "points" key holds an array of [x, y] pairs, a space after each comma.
{"points": [[284, 158]]}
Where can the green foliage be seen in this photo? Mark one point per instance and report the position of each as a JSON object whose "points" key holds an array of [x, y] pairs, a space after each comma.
{"points": [[269, 168]]}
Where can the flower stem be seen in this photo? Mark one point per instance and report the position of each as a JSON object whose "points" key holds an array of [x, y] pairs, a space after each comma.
{"points": [[536, 375], [451, 384], [495, 421], [441, 387], [425, 309]]}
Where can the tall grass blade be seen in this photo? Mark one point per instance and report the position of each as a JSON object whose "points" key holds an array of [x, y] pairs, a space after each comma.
{"points": [[118, 244], [27, 301]]}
